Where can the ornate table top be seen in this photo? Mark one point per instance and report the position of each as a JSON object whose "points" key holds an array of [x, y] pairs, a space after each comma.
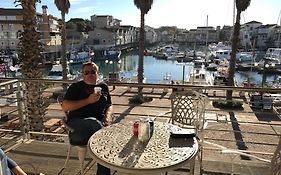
{"points": [[115, 147]]}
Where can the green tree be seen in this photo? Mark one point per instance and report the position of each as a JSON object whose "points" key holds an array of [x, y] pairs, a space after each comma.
{"points": [[81, 26], [30, 56], [144, 6], [70, 25], [63, 6], [241, 5]]}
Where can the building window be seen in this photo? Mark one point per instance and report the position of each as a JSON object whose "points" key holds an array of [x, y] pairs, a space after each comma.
{"points": [[96, 41], [18, 34], [11, 17], [2, 35], [104, 41], [11, 26]]}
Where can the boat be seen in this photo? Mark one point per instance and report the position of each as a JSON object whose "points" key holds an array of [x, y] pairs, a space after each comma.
{"points": [[79, 57], [243, 57], [56, 73], [240, 56], [167, 79], [111, 54], [218, 46], [134, 79], [273, 55], [220, 79], [199, 76], [212, 67], [2, 68]]}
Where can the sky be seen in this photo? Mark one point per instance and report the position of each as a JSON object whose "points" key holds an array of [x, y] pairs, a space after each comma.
{"points": [[185, 14]]}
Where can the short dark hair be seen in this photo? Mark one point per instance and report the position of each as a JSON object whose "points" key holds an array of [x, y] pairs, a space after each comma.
{"points": [[89, 63]]}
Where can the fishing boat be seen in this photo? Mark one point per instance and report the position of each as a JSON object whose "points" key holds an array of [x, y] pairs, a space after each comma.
{"points": [[111, 54], [240, 56], [167, 79], [56, 73], [199, 76], [273, 55], [80, 57]]}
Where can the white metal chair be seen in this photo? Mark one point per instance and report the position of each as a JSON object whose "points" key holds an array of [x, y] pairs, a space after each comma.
{"points": [[188, 110], [81, 150]]}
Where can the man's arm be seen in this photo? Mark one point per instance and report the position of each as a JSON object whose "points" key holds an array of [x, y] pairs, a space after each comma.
{"points": [[108, 116], [71, 105]]}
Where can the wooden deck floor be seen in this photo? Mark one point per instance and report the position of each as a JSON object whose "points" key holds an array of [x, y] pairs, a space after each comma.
{"points": [[48, 158]]}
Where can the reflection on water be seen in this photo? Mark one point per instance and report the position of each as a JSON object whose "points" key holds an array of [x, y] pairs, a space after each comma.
{"points": [[156, 69]]}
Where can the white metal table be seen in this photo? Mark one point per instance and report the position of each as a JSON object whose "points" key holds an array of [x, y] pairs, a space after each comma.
{"points": [[116, 148]]}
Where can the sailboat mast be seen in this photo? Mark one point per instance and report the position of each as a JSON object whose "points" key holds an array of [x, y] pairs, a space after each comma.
{"points": [[279, 31], [233, 12], [207, 35]]}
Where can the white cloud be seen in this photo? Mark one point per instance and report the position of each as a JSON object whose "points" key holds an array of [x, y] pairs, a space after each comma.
{"points": [[84, 9], [77, 1]]}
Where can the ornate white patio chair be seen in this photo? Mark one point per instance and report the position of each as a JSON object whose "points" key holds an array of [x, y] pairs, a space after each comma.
{"points": [[188, 110], [81, 150]]}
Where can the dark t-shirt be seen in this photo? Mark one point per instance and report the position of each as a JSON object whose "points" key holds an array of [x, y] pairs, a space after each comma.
{"points": [[81, 90]]}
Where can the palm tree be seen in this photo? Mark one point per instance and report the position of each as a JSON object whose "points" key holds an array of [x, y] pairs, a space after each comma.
{"points": [[30, 56], [241, 5], [63, 6], [144, 6]]}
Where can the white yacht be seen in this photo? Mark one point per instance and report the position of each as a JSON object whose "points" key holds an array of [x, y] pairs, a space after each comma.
{"points": [[79, 57], [56, 73], [273, 55], [199, 76], [240, 56]]}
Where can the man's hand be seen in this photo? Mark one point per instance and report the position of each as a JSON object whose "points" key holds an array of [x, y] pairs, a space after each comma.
{"points": [[94, 97], [107, 119]]}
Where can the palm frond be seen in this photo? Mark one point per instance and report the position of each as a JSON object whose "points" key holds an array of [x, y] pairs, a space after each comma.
{"points": [[62, 5], [143, 5], [242, 5]]}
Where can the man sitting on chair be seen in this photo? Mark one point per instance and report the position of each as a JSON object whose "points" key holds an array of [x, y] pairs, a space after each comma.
{"points": [[88, 109]]}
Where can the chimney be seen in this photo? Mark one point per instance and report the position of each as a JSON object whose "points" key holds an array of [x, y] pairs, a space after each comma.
{"points": [[45, 9]]}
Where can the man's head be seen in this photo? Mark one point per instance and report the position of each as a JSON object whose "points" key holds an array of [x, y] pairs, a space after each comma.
{"points": [[90, 73]]}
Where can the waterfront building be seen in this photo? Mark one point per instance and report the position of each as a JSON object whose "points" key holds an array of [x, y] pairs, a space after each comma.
{"points": [[264, 36], [248, 32], [151, 35], [104, 21], [11, 26]]}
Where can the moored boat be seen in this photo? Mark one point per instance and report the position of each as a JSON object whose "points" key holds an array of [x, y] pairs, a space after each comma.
{"points": [[79, 57], [56, 73], [112, 54], [273, 55]]}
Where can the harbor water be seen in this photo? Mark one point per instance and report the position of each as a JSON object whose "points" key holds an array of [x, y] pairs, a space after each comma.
{"points": [[156, 69]]}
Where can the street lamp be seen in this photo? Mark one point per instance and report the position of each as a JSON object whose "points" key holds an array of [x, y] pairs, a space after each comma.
{"points": [[113, 77], [265, 66], [183, 70], [113, 62], [92, 56]]}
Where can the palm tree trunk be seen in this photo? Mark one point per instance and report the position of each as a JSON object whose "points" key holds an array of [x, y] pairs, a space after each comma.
{"points": [[141, 54], [30, 54], [234, 47], [63, 51]]}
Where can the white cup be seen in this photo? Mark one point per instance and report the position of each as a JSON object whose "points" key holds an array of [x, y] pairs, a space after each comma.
{"points": [[97, 89]]}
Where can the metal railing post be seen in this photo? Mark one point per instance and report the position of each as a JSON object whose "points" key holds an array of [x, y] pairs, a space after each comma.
{"points": [[22, 117]]}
